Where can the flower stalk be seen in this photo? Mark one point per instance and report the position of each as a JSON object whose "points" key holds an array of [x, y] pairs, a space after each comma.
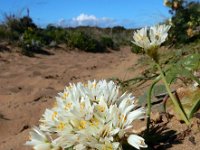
{"points": [[148, 113], [150, 39], [174, 100]]}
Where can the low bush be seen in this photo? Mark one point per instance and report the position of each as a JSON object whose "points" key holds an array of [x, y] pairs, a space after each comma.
{"points": [[136, 49], [15, 26], [30, 42], [55, 34], [185, 21], [81, 40], [3, 34], [107, 42], [19, 25]]}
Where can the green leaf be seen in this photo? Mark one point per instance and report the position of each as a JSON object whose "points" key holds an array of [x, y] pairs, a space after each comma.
{"points": [[190, 100], [194, 109], [184, 68], [172, 74], [159, 89], [191, 62], [142, 100]]}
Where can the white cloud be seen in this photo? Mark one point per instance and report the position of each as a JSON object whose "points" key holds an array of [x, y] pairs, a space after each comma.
{"points": [[82, 18], [61, 22], [92, 20], [87, 20]]}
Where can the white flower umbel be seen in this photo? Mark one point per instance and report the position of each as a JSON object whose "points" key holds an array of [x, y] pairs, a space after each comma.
{"points": [[90, 116], [148, 38], [151, 38]]}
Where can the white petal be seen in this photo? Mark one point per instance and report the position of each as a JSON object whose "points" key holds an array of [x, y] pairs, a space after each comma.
{"points": [[136, 114], [42, 147], [136, 141]]}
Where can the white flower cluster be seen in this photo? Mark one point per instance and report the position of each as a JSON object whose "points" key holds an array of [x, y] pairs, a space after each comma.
{"points": [[154, 36], [88, 116]]}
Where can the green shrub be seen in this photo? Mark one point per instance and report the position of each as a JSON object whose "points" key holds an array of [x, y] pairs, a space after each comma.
{"points": [[107, 42], [19, 25], [122, 38], [136, 49], [118, 29], [30, 43], [185, 21], [56, 34], [82, 41], [3, 34], [12, 27], [16, 26]]}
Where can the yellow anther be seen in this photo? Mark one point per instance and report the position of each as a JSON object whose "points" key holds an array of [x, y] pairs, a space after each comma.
{"points": [[68, 105], [82, 105], [107, 147], [54, 115], [65, 95], [101, 108], [94, 122], [61, 126], [82, 124], [123, 118], [94, 85], [55, 104]]}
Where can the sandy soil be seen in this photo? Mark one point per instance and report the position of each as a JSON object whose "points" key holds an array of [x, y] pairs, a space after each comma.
{"points": [[29, 85]]}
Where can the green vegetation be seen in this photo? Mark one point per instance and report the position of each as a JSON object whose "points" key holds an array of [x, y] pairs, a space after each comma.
{"points": [[30, 42], [22, 31], [136, 49], [185, 20], [81, 40]]}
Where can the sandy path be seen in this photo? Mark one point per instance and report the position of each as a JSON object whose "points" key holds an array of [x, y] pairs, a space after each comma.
{"points": [[29, 85]]}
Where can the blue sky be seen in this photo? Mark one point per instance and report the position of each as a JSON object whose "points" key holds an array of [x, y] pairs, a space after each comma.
{"points": [[129, 13]]}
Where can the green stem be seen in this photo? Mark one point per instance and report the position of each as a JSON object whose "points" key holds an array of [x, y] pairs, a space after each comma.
{"points": [[149, 101], [174, 100], [194, 108]]}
